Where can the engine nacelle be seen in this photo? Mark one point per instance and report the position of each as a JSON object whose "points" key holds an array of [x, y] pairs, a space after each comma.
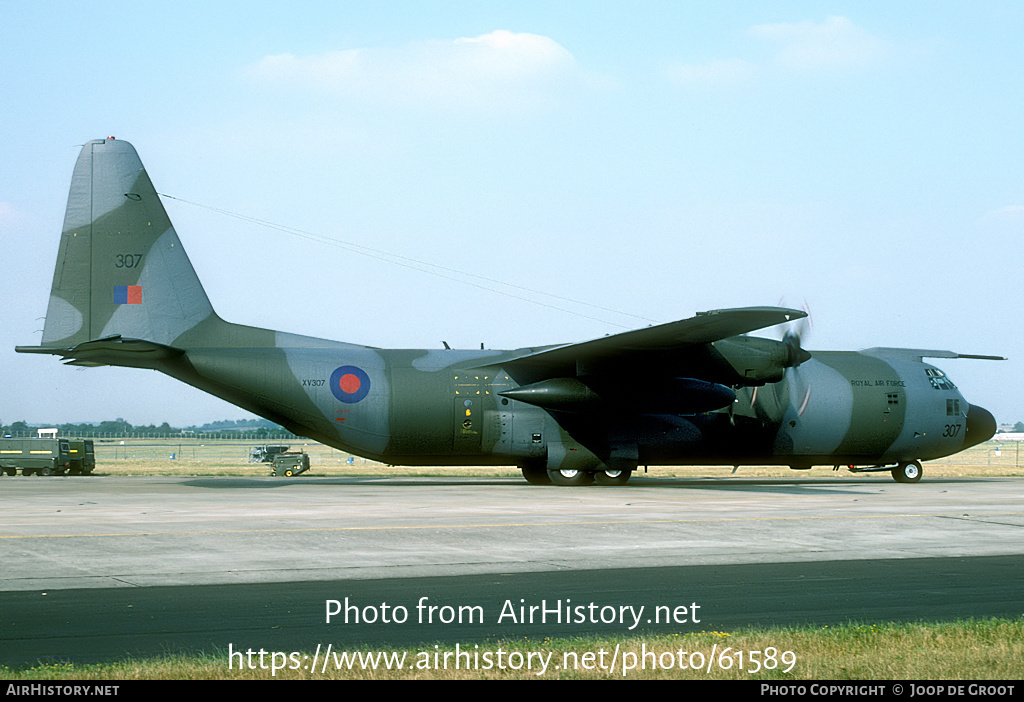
{"points": [[756, 361], [637, 395]]}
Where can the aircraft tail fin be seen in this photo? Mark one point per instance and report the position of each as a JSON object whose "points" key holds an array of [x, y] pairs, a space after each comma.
{"points": [[121, 270]]}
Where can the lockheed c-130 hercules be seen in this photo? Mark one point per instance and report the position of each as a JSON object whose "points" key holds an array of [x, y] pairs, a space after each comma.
{"points": [[693, 392]]}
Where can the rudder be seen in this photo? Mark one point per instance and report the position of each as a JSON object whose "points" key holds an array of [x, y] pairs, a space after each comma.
{"points": [[121, 270]]}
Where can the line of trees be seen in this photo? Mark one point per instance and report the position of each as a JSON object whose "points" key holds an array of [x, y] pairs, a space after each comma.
{"points": [[242, 428]]}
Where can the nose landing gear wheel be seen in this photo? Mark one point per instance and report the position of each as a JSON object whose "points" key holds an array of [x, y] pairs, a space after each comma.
{"points": [[907, 472]]}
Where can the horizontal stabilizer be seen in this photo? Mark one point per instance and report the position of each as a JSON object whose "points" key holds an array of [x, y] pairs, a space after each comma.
{"points": [[921, 354], [111, 351]]}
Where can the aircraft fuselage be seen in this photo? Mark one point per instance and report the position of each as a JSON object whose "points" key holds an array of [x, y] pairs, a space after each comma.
{"points": [[445, 407]]}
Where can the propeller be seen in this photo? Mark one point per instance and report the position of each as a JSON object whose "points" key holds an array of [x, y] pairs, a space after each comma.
{"points": [[793, 337]]}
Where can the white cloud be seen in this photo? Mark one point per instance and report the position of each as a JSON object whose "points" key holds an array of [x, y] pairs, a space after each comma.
{"points": [[1008, 214], [835, 43], [10, 216], [501, 69]]}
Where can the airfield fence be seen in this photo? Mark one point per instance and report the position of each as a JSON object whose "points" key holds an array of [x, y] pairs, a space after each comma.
{"points": [[256, 437], [229, 452], [990, 458]]}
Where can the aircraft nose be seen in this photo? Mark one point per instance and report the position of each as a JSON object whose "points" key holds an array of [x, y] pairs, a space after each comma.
{"points": [[981, 426]]}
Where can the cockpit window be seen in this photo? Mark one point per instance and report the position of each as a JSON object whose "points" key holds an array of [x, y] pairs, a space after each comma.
{"points": [[939, 380]]}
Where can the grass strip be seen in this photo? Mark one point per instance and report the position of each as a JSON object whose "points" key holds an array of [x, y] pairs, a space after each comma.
{"points": [[981, 649]]}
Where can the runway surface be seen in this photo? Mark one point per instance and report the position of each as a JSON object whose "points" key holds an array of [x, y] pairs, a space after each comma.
{"points": [[100, 567]]}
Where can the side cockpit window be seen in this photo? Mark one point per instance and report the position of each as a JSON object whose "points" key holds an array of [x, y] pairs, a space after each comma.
{"points": [[939, 380]]}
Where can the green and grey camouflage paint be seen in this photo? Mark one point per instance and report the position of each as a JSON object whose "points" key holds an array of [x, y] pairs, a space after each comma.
{"points": [[697, 391]]}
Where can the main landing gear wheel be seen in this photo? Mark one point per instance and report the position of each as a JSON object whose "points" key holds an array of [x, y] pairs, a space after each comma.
{"points": [[907, 472], [612, 477], [570, 477], [535, 474]]}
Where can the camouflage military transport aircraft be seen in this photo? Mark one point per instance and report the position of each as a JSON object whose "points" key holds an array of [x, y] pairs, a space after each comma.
{"points": [[697, 391]]}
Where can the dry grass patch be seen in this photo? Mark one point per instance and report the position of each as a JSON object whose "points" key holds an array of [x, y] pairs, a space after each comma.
{"points": [[229, 457]]}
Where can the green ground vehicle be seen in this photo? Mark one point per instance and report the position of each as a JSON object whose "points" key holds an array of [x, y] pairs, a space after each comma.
{"points": [[290, 464], [83, 456], [35, 456]]}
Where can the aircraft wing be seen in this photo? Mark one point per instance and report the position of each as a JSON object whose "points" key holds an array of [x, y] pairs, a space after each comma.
{"points": [[673, 337]]}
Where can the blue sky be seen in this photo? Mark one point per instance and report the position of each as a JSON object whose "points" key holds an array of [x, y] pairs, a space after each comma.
{"points": [[648, 159]]}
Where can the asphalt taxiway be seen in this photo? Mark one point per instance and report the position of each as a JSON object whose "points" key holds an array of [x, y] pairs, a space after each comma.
{"points": [[100, 567]]}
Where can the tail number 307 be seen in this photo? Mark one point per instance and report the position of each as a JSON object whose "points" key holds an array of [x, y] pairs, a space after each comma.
{"points": [[127, 260]]}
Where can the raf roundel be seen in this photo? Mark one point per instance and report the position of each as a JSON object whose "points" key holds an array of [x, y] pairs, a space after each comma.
{"points": [[350, 384]]}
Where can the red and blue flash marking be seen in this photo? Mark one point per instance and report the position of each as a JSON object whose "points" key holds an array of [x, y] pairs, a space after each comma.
{"points": [[127, 294], [350, 384]]}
